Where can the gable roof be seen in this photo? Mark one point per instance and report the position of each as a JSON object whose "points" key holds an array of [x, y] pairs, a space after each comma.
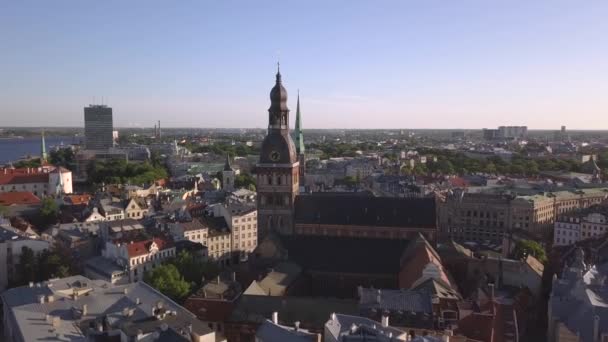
{"points": [[18, 198], [143, 247], [353, 209], [418, 255]]}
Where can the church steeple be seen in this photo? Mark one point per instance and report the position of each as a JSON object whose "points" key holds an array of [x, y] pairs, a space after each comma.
{"points": [[299, 135], [43, 155], [278, 111], [227, 166]]}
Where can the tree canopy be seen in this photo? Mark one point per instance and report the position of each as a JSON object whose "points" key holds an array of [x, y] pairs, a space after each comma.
{"points": [[524, 248], [119, 171], [40, 266], [49, 211], [167, 279], [245, 180]]}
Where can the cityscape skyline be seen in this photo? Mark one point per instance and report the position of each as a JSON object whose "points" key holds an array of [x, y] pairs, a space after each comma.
{"points": [[412, 65]]}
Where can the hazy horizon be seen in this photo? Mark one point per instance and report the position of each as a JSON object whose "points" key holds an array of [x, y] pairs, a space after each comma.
{"points": [[358, 64]]}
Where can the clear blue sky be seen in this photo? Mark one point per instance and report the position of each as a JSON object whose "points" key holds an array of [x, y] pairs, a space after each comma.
{"points": [[358, 64]]}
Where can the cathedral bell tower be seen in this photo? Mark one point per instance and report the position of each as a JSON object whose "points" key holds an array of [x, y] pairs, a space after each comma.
{"points": [[277, 171]]}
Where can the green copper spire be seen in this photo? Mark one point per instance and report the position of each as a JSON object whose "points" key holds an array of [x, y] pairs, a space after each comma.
{"points": [[299, 136], [43, 155]]}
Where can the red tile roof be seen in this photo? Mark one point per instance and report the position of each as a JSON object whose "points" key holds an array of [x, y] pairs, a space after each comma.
{"points": [[23, 176], [77, 199], [417, 256], [18, 198], [143, 247]]}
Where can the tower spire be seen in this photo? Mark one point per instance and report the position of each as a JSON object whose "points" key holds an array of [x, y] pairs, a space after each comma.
{"points": [[227, 166], [298, 128], [43, 155]]}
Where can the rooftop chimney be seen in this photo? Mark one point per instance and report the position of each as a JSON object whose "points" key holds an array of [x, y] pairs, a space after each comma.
{"points": [[385, 320], [84, 309], [296, 325], [491, 286], [275, 317]]}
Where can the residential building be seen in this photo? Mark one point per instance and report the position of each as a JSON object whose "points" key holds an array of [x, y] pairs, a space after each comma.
{"points": [[272, 331], [282, 280], [98, 127], [41, 181], [350, 328], [11, 244], [80, 237], [403, 307], [589, 223], [487, 217], [121, 229], [20, 203], [577, 305], [102, 268], [136, 208], [111, 210], [79, 309], [214, 301], [251, 311], [137, 257]]}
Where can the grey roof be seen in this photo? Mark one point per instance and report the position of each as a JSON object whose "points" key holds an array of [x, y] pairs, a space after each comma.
{"points": [[353, 328], [311, 311], [579, 297], [270, 332], [8, 234], [104, 266], [395, 300], [277, 281], [62, 312]]}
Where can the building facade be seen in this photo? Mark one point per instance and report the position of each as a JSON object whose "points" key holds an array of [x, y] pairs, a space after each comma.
{"points": [[482, 216], [41, 181], [278, 168], [572, 227], [98, 127], [140, 256]]}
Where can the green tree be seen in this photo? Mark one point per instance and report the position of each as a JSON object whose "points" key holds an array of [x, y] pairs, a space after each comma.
{"points": [[62, 157], [406, 170], [350, 181], [27, 163], [49, 210], [244, 180], [524, 248], [51, 265], [194, 270], [3, 210], [27, 268], [167, 279], [490, 168]]}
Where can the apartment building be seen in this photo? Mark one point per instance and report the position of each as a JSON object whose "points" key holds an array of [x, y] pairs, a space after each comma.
{"points": [[487, 216]]}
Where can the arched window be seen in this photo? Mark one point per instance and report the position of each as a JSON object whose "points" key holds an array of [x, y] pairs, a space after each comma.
{"points": [[269, 179], [279, 180]]}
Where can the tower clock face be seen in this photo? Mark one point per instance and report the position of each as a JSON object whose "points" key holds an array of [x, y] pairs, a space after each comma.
{"points": [[275, 156]]}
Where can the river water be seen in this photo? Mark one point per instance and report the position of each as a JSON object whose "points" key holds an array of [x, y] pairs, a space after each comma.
{"points": [[13, 149]]}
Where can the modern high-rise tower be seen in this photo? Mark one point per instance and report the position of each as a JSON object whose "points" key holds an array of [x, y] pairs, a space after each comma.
{"points": [[98, 127], [277, 170]]}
